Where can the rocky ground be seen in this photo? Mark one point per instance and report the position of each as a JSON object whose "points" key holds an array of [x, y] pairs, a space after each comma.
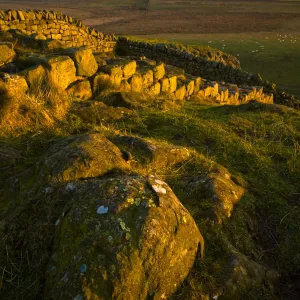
{"points": [[113, 191]]}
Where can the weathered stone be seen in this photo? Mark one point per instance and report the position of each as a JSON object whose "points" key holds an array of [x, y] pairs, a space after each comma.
{"points": [[125, 86], [173, 84], [158, 154], [190, 88], [7, 53], [129, 69], [13, 85], [223, 191], [94, 112], [115, 72], [197, 86], [241, 273], [35, 76], [125, 237], [180, 93], [165, 85], [61, 71], [80, 90], [155, 89], [85, 62], [159, 72], [83, 156], [147, 78], [136, 83]]}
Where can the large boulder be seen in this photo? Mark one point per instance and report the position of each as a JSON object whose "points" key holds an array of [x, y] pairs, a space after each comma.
{"points": [[241, 274], [95, 112], [221, 189], [125, 237], [7, 53], [61, 71], [78, 157], [160, 155], [85, 62]]}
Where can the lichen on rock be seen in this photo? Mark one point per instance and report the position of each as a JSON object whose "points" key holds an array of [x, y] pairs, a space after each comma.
{"points": [[142, 246]]}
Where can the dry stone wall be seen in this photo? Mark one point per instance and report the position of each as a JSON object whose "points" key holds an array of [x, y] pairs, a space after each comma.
{"points": [[158, 79], [43, 25], [192, 64]]}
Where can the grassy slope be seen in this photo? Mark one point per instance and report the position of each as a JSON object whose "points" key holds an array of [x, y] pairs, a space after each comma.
{"points": [[261, 149]]}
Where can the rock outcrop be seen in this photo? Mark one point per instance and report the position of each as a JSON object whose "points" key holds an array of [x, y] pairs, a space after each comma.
{"points": [[125, 237]]}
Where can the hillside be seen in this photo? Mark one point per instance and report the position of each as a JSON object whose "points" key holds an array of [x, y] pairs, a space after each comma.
{"points": [[133, 169]]}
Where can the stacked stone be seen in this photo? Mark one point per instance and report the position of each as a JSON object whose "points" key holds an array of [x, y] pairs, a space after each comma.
{"points": [[192, 64], [155, 80], [82, 76], [46, 24]]}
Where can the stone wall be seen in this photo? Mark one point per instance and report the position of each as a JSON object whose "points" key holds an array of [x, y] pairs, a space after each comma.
{"points": [[43, 25], [158, 79], [195, 65]]}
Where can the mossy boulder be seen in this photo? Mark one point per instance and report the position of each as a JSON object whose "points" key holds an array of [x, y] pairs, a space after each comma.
{"points": [[125, 237], [94, 112], [7, 53], [241, 274], [85, 62], [221, 189], [160, 155], [61, 71], [80, 90], [77, 157]]}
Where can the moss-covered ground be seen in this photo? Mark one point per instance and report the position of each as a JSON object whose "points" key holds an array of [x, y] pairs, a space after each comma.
{"points": [[260, 147]]}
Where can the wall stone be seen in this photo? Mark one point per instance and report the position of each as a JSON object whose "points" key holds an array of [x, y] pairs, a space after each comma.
{"points": [[192, 64], [49, 25]]}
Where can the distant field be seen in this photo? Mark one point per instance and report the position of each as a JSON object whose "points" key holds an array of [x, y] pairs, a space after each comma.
{"points": [[254, 30]]}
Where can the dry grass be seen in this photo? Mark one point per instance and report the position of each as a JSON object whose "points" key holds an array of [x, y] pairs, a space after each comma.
{"points": [[42, 107]]}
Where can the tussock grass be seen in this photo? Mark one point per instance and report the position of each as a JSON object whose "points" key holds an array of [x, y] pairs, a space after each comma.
{"points": [[39, 109]]}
